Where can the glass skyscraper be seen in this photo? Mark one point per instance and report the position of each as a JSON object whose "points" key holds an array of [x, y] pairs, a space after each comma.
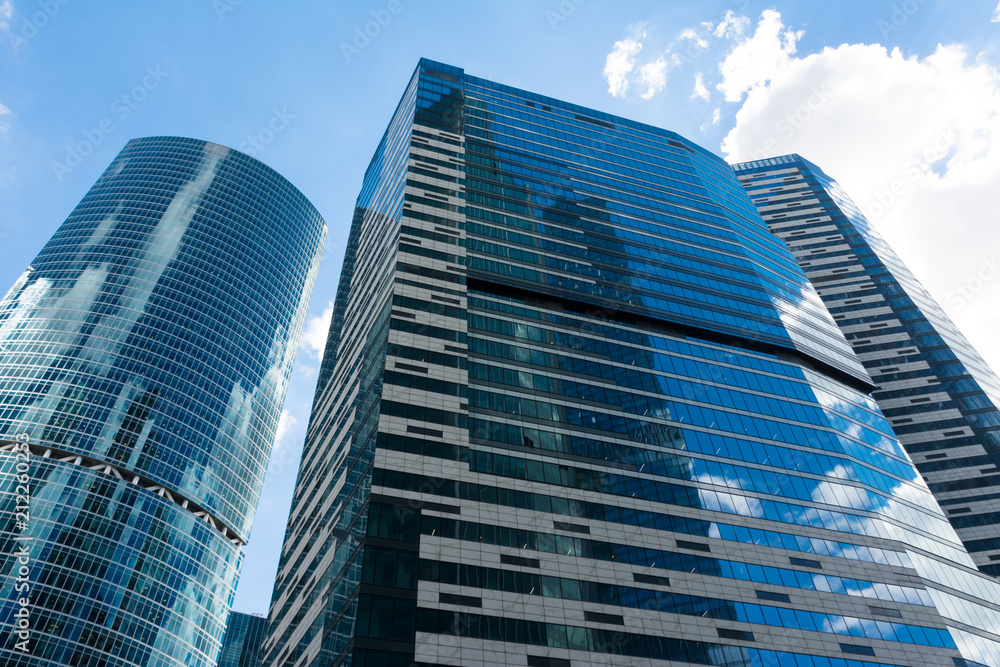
{"points": [[939, 395], [578, 406], [145, 356], [245, 635]]}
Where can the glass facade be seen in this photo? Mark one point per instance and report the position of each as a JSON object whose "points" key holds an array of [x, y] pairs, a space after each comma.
{"points": [[936, 391], [244, 636], [146, 352], [579, 407]]}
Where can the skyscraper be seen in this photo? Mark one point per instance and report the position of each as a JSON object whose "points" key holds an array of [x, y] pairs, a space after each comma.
{"points": [[145, 355], [939, 395], [245, 635], [578, 406]]}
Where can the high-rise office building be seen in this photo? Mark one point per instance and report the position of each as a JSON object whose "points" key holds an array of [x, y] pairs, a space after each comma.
{"points": [[937, 392], [578, 406], [245, 635], [145, 356]]}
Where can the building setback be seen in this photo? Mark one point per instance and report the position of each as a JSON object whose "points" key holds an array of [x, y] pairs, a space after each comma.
{"points": [[578, 406], [245, 635], [939, 395], [145, 356]]}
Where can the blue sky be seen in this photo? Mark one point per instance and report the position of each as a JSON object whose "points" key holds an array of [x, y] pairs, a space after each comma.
{"points": [[900, 101]]}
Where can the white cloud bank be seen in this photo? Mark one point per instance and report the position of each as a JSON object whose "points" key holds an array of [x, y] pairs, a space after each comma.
{"points": [[753, 61], [914, 141], [315, 332]]}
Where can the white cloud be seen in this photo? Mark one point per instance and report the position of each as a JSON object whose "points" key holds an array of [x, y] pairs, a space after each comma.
{"points": [[654, 75], [700, 90], [996, 14], [915, 142], [316, 329], [757, 59], [6, 12], [731, 26], [700, 41], [716, 117], [620, 63], [286, 422], [4, 125]]}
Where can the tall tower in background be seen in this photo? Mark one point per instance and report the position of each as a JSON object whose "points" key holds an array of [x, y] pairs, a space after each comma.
{"points": [[578, 406], [939, 395], [245, 634], [145, 357]]}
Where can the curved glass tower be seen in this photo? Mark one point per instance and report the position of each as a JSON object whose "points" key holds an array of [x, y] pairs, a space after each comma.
{"points": [[145, 357]]}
